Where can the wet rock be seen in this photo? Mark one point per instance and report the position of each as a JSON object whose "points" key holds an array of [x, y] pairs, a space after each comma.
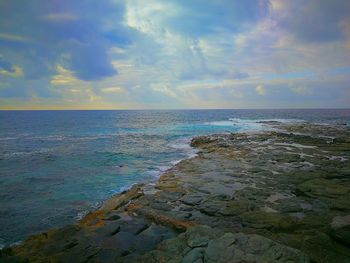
{"points": [[236, 207], [160, 218], [268, 220], [250, 248], [201, 140], [210, 207], [199, 236], [121, 199], [321, 248], [195, 255], [323, 187], [222, 247], [192, 199], [340, 229], [112, 217]]}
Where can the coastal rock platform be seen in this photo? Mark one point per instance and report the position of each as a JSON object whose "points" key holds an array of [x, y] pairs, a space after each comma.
{"points": [[281, 195]]}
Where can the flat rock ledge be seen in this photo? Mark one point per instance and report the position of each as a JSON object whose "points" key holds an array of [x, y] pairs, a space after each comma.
{"points": [[273, 196]]}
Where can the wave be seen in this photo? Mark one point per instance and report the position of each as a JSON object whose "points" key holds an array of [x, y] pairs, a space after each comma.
{"points": [[17, 154], [13, 244], [8, 138], [184, 145], [250, 124]]}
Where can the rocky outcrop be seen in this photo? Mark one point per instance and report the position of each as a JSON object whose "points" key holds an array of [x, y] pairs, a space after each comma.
{"points": [[281, 196], [204, 244], [340, 229], [119, 200]]}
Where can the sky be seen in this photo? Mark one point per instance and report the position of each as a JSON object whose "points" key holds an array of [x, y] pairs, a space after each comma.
{"points": [[174, 54]]}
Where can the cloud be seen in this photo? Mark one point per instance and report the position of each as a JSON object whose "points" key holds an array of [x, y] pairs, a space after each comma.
{"points": [[9, 70], [5, 64], [76, 34], [112, 90], [14, 38], [314, 20], [301, 90], [260, 90], [15, 72], [64, 77], [90, 61], [175, 54], [239, 75], [163, 88], [60, 17], [198, 18]]}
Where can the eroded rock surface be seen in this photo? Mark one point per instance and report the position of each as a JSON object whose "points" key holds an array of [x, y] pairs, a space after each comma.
{"points": [[274, 196]]}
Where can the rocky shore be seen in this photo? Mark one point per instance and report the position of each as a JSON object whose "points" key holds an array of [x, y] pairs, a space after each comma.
{"points": [[273, 196]]}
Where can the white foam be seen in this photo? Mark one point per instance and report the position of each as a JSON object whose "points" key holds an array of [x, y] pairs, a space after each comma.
{"points": [[240, 125], [15, 154], [7, 138], [183, 144], [176, 162], [221, 123], [2, 244], [164, 168], [250, 124], [257, 123], [81, 215]]}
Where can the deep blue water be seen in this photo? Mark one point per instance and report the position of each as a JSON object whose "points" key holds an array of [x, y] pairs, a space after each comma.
{"points": [[56, 165]]}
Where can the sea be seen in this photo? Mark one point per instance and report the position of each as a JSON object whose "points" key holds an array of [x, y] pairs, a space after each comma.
{"points": [[55, 166]]}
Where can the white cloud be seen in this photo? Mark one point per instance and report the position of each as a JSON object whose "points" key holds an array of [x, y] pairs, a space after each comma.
{"points": [[163, 88], [260, 90], [112, 90], [63, 77]]}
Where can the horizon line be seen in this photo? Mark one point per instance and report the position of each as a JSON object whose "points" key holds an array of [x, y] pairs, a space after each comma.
{"points": [[178, 109]]}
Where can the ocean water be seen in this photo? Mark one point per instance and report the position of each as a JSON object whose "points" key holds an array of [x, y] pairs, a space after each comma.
{"points": [[57, 165]]}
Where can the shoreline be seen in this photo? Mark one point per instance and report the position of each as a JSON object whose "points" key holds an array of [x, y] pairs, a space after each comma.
{"points": [[212, 195]]}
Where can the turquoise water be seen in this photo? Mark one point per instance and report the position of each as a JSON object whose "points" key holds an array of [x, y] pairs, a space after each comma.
{"points": [[57, 165]]}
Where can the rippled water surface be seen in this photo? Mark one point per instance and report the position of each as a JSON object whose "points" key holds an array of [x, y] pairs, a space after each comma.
{"points": [[56, 165]]}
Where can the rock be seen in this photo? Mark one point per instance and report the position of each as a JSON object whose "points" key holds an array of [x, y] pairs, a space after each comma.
{"points": [[121, 199], [340, 229], [321, 248], [323, 187], [112, 217], [160, 218], [201, 140], [250, 248], [194, 255], [192, 199], [222, 248], [268, 220], [236, 207], [210, 207], [199, 236]]}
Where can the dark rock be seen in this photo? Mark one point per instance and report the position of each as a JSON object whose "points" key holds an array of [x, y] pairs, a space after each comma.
{"points": [[340, 229]]}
